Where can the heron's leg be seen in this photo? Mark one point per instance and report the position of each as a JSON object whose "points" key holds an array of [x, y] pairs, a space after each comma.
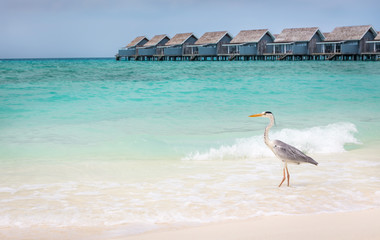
{"points": [[287, 171], [283, 179]]}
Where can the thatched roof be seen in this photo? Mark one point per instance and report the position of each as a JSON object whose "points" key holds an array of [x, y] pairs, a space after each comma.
{"points": [[378, 36], [349, 33], [156, 40], [179, 38], [250, 36], [211, 37], [297, 35], [136, 41]]}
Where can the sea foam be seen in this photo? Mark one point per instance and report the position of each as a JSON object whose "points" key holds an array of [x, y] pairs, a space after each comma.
{"points": [[320, 139]]}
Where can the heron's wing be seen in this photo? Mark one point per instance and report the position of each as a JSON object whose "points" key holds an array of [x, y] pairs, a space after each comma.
{"points": [[290, 153]]}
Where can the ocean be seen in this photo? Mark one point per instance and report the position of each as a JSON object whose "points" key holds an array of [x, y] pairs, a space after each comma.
{"points": [[141, 145]]}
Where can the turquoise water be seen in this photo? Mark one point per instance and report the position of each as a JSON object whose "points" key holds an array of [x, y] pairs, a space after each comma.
{"points": [[139, 145], [65, 109]]}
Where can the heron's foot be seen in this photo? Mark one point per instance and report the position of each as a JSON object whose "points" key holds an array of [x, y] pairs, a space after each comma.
{"points": [[287, 176]]}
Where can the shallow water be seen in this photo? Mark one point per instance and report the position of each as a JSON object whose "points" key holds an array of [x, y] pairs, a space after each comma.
{"points": [[98, 142]]}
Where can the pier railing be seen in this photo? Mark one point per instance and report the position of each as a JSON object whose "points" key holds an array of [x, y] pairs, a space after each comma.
{"points": [[190, 50], [160, 51], [228, 50]]}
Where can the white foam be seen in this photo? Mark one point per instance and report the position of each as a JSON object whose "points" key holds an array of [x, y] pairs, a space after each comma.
{"points": [[321, 139]]}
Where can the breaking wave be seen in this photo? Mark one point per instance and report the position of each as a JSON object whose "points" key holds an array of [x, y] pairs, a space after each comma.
{"points": [[321, 139]]}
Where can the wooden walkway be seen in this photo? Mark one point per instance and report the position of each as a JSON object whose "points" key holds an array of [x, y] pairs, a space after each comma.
{"points": [[266, 57]]}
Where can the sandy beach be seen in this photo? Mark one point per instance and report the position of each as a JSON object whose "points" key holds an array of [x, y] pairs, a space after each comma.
{"points": [[353, 225], [349, 225]]}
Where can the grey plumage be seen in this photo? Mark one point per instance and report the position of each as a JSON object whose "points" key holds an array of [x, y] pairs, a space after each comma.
{"points": [[283, 151], [289, 153]]}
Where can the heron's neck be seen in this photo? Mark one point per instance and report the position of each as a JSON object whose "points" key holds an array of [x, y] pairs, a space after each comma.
{"points": [[266, 138]]}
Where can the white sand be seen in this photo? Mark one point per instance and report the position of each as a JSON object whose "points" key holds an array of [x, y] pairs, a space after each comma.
{"points": [[349, 225], [353, 225], [335, 226]]}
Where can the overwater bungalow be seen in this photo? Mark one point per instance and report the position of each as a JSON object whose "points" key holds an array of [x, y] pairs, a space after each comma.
{"points": [[350, 40], [373, 46], [150, 50], [248, 43], [343, 43], [296, 41], [130, 51], [173, 49], [207, 46]]}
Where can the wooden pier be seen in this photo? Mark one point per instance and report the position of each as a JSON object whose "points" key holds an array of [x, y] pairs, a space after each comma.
{"points": [[269, 57]]}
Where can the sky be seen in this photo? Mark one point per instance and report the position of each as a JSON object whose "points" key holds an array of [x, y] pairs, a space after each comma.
{"points": [[98, 28]]}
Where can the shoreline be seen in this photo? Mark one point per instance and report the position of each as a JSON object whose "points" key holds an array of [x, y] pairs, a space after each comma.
{"points": [[344, 224], [361, 224]]}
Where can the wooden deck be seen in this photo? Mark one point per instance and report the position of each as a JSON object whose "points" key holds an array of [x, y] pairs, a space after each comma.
{"points": [[371, 56]]}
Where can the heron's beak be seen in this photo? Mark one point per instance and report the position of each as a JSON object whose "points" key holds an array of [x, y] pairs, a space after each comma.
{"points": [[257, 115]]}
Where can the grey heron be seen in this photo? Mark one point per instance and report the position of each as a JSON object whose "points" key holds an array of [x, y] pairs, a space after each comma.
{"points": [[283, 151]]}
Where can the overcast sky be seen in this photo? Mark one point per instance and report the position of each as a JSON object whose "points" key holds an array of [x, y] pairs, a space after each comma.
{"points": [[98, 28]]}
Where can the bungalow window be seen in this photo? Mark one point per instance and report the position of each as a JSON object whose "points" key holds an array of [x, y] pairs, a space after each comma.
{"points": [[377, 47], [332, 48], [337, 48], [329, 48], [278, 48]]}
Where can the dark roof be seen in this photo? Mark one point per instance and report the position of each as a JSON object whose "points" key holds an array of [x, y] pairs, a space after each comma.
{"points": [[136, 41], [246, 36], [297, 34], [211, 37], [349, 33], [179, 39]]}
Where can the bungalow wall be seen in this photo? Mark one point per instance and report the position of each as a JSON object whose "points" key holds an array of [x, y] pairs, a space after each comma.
{"points": [[282, 48], [131, 51], [350, 47], [262, 46], [173, 51], [313, 47], [150, 51], [127, 52], [177, 50], [208, 50], [319, 48], [373, 47], [329, 47], [300, 48], [249, 49], [219, 47], [147, 51], [363, 47]]}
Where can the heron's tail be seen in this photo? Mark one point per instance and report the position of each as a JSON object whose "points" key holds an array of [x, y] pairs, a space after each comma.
{"points": [[312, 161]]}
